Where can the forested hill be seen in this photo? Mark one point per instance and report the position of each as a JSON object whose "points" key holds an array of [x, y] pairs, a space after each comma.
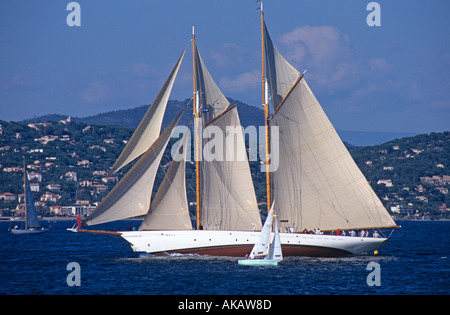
{"points": [[410, 173]]}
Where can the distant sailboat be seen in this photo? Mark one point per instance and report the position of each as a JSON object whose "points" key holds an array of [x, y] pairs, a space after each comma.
{"points": [[267, 251], [317, 184], [32, 225]]}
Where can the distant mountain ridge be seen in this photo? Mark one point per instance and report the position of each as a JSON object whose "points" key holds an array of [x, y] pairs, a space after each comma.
{"points": [[130, 118], [249, 115]]}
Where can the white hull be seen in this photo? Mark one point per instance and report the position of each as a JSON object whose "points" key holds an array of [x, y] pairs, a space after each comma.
{"points": [[257, 262], [27, 231], [239, 243]]}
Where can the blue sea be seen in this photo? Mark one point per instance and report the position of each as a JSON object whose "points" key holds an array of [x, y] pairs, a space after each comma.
{"points": [[416, 261]]}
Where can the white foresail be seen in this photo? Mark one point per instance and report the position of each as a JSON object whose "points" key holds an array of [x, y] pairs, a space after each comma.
{"points": [[149, 128], [211, 100], [169, 209], [131, 196], [228, 199]]}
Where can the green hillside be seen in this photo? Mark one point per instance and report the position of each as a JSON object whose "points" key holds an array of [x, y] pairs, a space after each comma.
{"points": [[409, 172]]}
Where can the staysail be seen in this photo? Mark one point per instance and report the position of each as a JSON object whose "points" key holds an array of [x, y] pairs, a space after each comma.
{"points": [[169, 209], [317, 183], [228, 199], [131, 196], [149, 128]]}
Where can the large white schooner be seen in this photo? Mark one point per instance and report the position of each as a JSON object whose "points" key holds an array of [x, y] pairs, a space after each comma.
{"points": [[316, 185]]}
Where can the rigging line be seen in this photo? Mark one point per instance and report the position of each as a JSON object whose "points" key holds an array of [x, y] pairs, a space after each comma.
{"points": [[288, 94]]}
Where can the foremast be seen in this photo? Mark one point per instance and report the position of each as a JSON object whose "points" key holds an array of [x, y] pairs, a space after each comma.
{"points": [[197, 128], [265, 104]]}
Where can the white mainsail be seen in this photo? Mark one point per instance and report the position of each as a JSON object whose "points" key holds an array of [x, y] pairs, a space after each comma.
{"points": [[228, 199], [149, 128], [317, 183], [227, 195], [169, 209], [131, 196]]}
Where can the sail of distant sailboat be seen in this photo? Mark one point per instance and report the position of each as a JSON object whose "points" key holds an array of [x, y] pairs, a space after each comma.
{"points": [[32, 225]]}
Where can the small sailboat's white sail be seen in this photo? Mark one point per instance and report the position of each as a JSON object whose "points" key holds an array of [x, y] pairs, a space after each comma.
{"points": [[131, 196], [261, 248], [266, 251], [149, 128], [275, 252]]}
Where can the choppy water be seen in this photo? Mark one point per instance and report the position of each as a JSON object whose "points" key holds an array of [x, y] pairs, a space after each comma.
{"points": [[415, 261]]}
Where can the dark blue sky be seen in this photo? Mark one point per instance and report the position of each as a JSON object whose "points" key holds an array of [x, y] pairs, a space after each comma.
{"points": [[389, 78]]}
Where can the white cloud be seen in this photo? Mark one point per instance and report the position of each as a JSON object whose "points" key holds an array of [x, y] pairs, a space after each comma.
{"points": [[230, 55], [319, 44], [16, 80], [140, 70], [326, 52], [243, 82], [379, 65], [96, 93]]}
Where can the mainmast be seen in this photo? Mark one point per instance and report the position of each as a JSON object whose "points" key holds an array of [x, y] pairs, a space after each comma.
{"points": [[196, 131], [265, 104]]}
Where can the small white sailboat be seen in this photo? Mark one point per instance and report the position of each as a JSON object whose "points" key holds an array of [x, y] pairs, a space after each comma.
{"points": [[32, 225], [266, 252]]}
